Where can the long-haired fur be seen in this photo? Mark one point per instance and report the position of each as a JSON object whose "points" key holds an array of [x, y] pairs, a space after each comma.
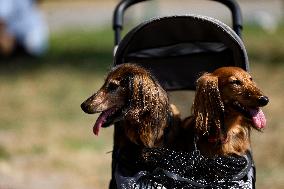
{"points": [[134, 101], [148, 110], [143, 105], [208, 108], [225, 104]]}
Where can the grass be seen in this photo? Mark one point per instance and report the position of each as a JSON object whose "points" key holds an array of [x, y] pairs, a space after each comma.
{"points": [[47, 140], [265, 46], [3, 153]]}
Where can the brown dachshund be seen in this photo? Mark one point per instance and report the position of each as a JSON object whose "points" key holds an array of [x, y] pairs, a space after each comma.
{"points": [[226, 106], [137, 104], [133, 99]]}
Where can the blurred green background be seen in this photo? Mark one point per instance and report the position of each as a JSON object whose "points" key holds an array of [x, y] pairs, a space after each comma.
{"points": [[46, 141]]}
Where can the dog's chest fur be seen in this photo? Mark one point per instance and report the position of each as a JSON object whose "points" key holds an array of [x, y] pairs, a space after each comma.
{"points": [[237, 140]]}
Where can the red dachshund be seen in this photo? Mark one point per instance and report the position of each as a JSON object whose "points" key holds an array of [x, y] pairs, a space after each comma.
{"points": [[226, 106]]}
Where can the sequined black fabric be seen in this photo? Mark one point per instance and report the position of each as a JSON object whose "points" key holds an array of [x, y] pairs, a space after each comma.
{"points": [[177, 170]]}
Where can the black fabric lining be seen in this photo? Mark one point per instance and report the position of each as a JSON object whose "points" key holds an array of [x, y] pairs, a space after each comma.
{"points": [[181, 49]]}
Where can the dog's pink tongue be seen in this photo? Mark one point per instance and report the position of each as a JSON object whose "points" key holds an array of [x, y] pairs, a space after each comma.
{"points": [[101, 120], [258, 118]]}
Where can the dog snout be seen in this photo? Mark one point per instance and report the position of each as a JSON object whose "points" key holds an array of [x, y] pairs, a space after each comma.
{"points": [[263, 100], [86, 108]]}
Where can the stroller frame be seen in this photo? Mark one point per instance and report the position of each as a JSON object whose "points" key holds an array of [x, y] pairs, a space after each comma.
{"points": [[152, 56], [120, 9]]}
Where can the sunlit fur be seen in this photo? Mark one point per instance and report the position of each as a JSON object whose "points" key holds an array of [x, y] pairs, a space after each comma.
{"points": [[144, 104], [215, 118]]}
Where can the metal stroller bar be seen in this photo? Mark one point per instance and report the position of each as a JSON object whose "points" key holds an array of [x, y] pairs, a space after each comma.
{"points": [[118, 16], [236, 14]]}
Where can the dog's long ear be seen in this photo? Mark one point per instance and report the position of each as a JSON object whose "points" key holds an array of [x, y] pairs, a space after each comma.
{"points": [[136, 91], [208, 107], [146, 94], [148, 106]]}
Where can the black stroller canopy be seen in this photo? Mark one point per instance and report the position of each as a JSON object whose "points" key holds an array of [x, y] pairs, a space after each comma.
{"points": [[178, 49]]}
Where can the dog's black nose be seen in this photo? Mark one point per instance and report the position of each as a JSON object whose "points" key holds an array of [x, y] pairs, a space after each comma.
{"points": [[84, 107], [263, 100]]}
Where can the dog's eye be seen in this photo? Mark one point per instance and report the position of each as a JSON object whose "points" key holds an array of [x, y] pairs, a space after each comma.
{"points": [[236, 82], [112, 86]]}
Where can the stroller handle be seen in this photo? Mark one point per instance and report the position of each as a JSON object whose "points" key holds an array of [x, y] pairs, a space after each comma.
{"points": [[236, 15], [118, 16]]}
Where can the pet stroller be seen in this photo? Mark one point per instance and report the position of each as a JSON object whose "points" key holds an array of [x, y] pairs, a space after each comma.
{"points": [[176, 49]]}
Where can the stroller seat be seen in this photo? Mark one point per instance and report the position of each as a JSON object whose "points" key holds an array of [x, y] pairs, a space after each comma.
{"points": [[177, 50]]}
